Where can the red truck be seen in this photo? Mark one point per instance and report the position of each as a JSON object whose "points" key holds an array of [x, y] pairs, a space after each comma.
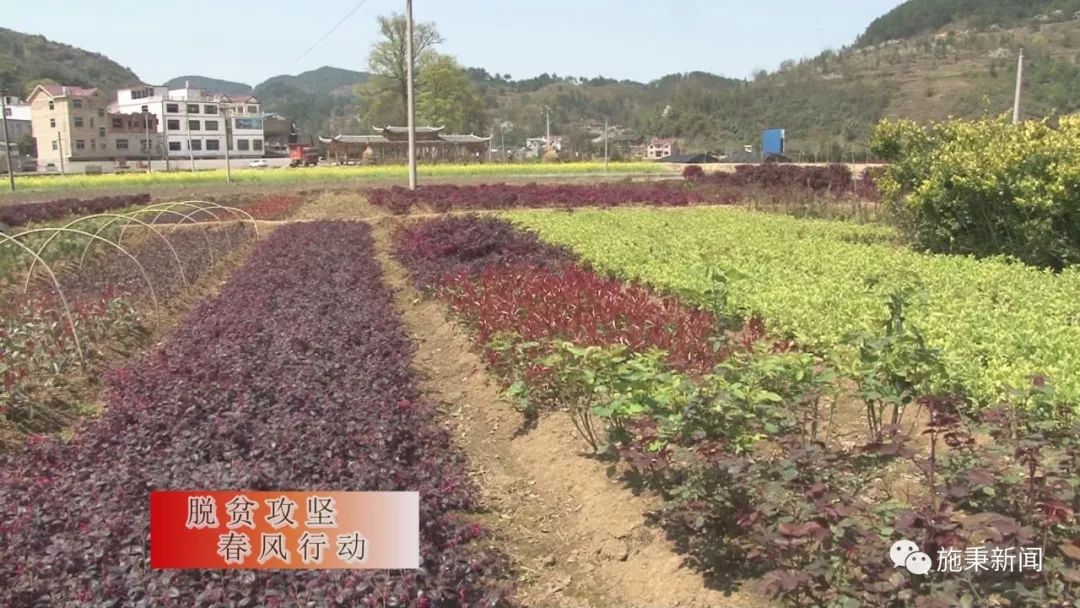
{"points": [[303, 155]]}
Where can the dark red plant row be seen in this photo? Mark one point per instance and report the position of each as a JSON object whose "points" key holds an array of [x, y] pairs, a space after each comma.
{"points": [[447, 197], [433, 250], [25, 213], [296, 376], [780, 179], [273, 207], [500, 279]]}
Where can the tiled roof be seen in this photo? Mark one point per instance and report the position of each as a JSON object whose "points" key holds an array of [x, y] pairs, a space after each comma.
{"points": [[406, 129], [56, 90], [368, 139]]}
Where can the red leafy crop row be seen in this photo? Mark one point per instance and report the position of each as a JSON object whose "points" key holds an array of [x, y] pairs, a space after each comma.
{"points": [[445, 197], [25, 213], [501, 279], [835, 179], [574, 304], [295, 377], [273, 207], [432, 250]]}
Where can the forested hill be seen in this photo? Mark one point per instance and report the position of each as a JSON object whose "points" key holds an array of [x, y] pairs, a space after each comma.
{"points": [[918, 17], [26, 60]]}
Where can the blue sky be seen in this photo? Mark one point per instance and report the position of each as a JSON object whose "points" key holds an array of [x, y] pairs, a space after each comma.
{"points": [[251, 40]]}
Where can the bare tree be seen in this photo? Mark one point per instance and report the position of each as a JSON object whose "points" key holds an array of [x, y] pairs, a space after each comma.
{"points": [[388, 55]]}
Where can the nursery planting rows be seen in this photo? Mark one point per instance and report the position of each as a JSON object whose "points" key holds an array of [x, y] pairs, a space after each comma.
{"points": [[25, 213], [997, 324], [295, 376], [808, 518]]}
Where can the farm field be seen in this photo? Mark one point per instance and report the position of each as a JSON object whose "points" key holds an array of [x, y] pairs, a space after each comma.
{"points": [[997, 323], [658, 404], [46, 183]]}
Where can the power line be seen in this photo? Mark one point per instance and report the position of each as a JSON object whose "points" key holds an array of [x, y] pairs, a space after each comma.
{"points": [[332, 30]]}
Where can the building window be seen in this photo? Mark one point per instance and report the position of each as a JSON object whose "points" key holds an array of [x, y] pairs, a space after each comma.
{"points": [[93, 144], [101, 131], [121, 144], [256, 144], [174, 146], [55, 145], [253, 109], [210, 109], [173, 125], [242, 145], [193, 125], [144, 144], [52, 106], [172, 108], [101, 112], [213, 145], [52, 123], [211, 125], [142, 93], [192, 108], [91, 122], [196, 145], [144, 109], [117, 123], [78, 122], [104, 145], [76, 103]]}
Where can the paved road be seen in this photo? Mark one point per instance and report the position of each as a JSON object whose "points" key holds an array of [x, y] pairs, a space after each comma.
{"points": [[78, 168]]}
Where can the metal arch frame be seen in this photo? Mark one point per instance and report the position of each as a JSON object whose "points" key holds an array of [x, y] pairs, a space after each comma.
{"points": [[120, 238], [211, 205], [59, 292], [116, 216], [142, 270]]}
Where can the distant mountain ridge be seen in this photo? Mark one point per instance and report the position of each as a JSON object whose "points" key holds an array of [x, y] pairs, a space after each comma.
{"points": [[214, 85]]}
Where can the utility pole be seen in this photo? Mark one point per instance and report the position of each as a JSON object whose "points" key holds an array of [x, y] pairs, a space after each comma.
{"points": [[605, 145], [410, 101], [7, 142], [146, 137], [191, 151], [228, 144], [1019, 87], [547, 115], [164, 135], [60, 147]]}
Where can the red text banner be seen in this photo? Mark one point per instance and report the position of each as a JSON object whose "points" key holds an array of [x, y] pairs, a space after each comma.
{"points": [[284, 530]]}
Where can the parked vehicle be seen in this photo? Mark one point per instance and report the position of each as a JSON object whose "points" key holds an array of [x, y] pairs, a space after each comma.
{"points": [[259, 163], [303, 155]]}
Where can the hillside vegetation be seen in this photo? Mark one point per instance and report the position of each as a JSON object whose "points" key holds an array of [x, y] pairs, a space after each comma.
{"points": [[918, 17], [27, 59]]}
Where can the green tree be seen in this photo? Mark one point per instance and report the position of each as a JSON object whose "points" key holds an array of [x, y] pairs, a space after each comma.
{"points": [[448, 97], [388, 57]]}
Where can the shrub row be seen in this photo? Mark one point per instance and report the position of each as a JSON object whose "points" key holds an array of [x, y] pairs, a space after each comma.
{"points": [[986, 187], [25, 213], [754, 488], [446, 197], [295, 377]]}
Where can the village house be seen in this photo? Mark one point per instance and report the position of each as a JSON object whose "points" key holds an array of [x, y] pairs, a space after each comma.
{"points": [[72, 123]]}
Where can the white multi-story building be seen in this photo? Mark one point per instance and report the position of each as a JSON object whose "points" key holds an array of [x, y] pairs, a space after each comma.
{"points": [[196, 124], [18, 117]]}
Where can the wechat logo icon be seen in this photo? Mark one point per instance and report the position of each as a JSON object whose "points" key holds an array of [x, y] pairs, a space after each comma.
{"points": [[906, 554]]}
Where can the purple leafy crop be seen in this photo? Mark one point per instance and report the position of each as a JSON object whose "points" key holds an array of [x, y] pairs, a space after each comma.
{"points": [[446, 197], [25, 213], [295, 377]]}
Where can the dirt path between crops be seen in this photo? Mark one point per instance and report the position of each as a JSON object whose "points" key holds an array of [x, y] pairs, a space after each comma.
{"points": [[579, 538]]}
